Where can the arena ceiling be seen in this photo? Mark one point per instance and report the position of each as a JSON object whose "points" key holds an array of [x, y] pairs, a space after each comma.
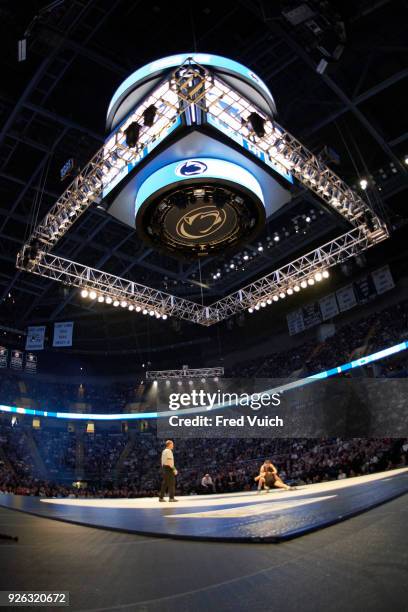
{"points": [[53, 107]]}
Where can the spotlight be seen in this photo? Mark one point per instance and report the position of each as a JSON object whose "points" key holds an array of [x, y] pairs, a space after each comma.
{"points": [[318, 276], [308, 220], [246, 257], [289, 291], [132, 134], [116, 303], [190, 382], [101, 299], [257, 307], [131, 307], [263, 304], [325, 274], [149, 115], [84, 293], [282, 295], [250, 310], [363, 184], [232, 266], [303, 284], [203, 380], [92, 295], [144, 311], [406, 160], [260, 248], [311, 281], [275, 298], [276, 238], [151, 313], [269, 301], [179, 383], [296, 288], [108, 300], [164, 316], [138, 309], [257, 124], [123, 303], [216, 379]]}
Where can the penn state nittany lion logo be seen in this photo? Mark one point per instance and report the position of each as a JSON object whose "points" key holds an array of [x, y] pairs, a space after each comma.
{"points": [[201, 222], [192, 167]]}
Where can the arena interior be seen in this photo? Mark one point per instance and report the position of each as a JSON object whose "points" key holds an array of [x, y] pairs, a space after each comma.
{"points": [[201, 202]]}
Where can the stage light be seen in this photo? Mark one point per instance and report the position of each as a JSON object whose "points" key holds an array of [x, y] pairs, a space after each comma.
{"points": [[363, 184], [164, 317], [179, 383], [144, 311], [132, 134], [311, 281], [326, 274], [275, 298], [149, 115], [108, 300], [406, 160], [203, 380], [260, 248], [123, 303], [308, 220], [250, 310], [84, 293], [263, 304], [296, 288], [246, 257], [318, 276], [101, 299], [151, 313], [303, 284], [232, 266], [138, 309], [216, 379], [167, 383], [269, 301], [116, 303], [158, 315], [290, 291], [92, 295], [257, 124], [282, 295], [131, 307], [276, 238], [190, 382]]}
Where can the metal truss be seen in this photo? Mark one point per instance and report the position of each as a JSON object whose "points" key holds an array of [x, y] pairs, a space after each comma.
{"points": [[305, 270], [186, 372], [191, 85]]}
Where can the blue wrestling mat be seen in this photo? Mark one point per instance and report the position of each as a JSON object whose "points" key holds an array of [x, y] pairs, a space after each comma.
{"points": [[241, 517]]}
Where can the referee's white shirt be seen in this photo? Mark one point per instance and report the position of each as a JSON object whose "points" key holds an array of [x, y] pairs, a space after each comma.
{"points": [[167, 458]]}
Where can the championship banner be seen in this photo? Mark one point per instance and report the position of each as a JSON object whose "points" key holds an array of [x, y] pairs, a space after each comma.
{"points": [[346, 298], [63, 334], [383, 280], [328, 307], [31, 363], [3, 357], [35, 338], [295, 322], [16, 361], [365, 290]]}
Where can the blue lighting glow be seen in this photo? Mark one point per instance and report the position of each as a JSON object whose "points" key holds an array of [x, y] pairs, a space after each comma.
{"points": [[202, 167], [214, 61], [357, 363]]}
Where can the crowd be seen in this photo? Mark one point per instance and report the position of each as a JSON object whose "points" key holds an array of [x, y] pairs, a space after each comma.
{"points": [[48, 460]]}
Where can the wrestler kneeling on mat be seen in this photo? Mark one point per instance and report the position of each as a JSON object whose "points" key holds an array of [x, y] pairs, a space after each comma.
{"points": [[269, 478]]}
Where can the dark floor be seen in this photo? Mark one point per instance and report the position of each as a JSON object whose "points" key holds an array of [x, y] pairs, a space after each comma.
{"points": [[359, 565]]}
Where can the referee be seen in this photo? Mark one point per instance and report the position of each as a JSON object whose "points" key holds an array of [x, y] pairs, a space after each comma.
{"points": [[169, 473]]}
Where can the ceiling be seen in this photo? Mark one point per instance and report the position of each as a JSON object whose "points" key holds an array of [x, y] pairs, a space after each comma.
{"points": [[53, 107]]}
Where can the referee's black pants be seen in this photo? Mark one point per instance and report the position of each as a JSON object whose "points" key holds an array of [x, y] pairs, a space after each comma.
{"points": [[168, 482]]}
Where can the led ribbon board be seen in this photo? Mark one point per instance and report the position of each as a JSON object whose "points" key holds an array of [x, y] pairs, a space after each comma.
{"points": [[357, 363], [199, 206]]}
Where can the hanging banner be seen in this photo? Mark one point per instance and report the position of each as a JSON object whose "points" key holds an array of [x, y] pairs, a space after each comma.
{"points": [[311, 315], [346, 298], [31, 363], [35, 338], [328, 307], [383, 280], [295, 322], [63, 334], [3, 357], [364, 289], [16, 361]]}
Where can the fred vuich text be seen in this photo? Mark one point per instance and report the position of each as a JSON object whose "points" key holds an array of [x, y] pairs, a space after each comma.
{"points": [[220, 421]]}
